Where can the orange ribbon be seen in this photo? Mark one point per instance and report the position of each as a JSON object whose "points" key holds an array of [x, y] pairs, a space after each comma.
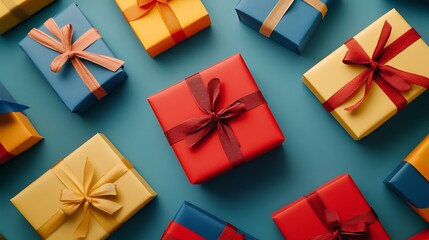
{"points": [[143, 7], [280, 10], [75, 52]]}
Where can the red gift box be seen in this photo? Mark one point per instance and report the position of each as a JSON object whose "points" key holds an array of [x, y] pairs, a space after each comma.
{"points": [[255, 130], [420, 236], [336, 210]]}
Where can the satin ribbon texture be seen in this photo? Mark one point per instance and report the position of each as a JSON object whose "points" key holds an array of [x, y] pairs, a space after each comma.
{"points": [[96, 198], [281, 8], [195, 130], [391, 80], [354, 228], [143, 7], [74, 52]]}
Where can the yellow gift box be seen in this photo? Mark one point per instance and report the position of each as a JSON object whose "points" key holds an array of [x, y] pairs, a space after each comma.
{"points": [[331, 74], [13, 12], [17, 134], [88, 194], [151, 29]]}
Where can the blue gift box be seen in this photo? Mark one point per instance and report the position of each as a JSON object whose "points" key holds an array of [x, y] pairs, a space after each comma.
{"points": [[67, 83], [8, 103], [295, 28], [200, 222]]}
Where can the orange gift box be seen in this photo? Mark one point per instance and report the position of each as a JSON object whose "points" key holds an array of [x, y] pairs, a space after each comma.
{"points": [[17, 134], [255, 130]]}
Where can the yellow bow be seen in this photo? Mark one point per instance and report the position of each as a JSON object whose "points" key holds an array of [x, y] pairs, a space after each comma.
{"points": [[88, 194]]}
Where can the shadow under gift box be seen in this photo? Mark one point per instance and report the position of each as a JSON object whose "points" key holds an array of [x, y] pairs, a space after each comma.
{"points": [[12, 12], [67, 83], [193, 223], [17, 134], [411, 179], [153, 32], [256, 129], [299, 221], [331, 74], [294, 29], [424, 235], [41, 205]]}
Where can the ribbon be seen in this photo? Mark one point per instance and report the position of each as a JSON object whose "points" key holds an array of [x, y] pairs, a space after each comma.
{"points": [[176, 231], [9, 107], [4, 155], [75, 52], [97, 199], [281, 8], [143, 7], [195, 130], [15, 9], [391, 80], [354, 228]]}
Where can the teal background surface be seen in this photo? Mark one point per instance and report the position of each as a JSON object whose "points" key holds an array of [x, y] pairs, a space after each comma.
{"points": [[316, 149]]}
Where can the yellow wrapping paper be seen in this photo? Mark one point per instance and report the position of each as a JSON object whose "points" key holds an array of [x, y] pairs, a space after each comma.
{"points": [[152, 31], [17, 134], [40, 201], [330, 74], [13, 12]]}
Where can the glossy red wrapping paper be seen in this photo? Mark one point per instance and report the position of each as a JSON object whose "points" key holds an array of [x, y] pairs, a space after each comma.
{"points": [[256, 130], [298, 221]]}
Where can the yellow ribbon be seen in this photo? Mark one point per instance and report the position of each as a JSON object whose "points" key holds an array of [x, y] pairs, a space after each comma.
{"points": [[280, 10], [419, 158], [97, 198], [15, 9]]}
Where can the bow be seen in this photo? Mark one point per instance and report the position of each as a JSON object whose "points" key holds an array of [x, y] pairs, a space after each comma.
{"points": [[88, 194], [391, 80], [354, 228], [281, 8], [197, 129], [75, 52], [143, 7]]}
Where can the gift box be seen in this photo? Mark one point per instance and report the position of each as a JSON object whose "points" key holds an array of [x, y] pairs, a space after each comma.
{"points": [[89, 194], [81, 70], [288, 22], [12, 12], [193, 223], [161, 24], [17, 134], [363, 92], [216, 119], [424, 235], [336, 210], [411, 179]]}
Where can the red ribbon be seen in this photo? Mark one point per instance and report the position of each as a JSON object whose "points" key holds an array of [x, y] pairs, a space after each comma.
{"points": [[143, 7], [354, 228], [4, 155], [176, 231], [391, 80], [195, 130]]}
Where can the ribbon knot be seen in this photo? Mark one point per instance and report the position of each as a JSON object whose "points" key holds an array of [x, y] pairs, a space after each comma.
{"points": [[391, 80], [92, 196], [75, 52]]}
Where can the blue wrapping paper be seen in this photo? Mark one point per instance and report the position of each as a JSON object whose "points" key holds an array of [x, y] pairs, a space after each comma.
{"points": [[8, 103], [410, 185], [202, 223], [296, 26], [67, 83]]}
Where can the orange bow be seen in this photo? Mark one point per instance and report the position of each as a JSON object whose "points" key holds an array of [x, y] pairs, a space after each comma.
{"points": [[75, 52], [143, 7], [90, 194]]}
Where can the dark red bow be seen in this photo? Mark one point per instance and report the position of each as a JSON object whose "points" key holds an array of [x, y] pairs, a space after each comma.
{"points": [[354, 228], [391, 80], [195, 130]]}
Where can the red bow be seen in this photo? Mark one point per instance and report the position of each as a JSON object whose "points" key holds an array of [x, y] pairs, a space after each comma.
{"points": [[195, 130], [391, 80], [354, 228]]}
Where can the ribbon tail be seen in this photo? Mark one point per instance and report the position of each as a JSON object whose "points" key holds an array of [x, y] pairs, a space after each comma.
{"points": [[82, 230], [88, 79], [408, 77], [368, 86], [229, 143], [113, 64]]}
